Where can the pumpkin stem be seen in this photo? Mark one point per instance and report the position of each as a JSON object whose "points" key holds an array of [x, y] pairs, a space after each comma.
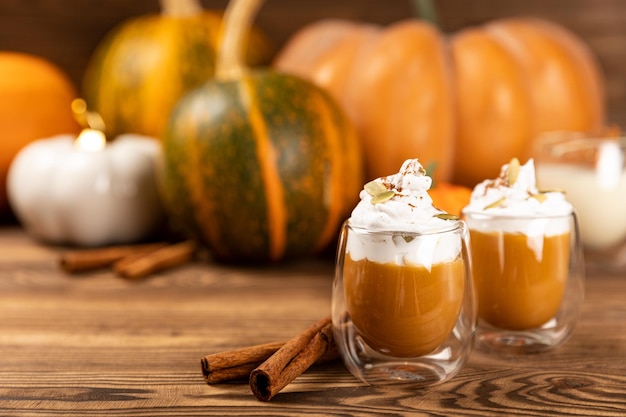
{"points": [[180, 8], [425, 10], [237, 21]]}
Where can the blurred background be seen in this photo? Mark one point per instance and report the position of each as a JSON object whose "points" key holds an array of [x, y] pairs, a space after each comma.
{"points": [[442, 132], [67, 31]]}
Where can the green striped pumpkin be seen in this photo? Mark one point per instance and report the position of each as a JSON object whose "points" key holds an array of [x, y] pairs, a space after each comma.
{"points": [[261, 168], [143, 66]]}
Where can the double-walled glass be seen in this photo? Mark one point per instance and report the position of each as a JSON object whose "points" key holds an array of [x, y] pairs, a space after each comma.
{"points": [[403, 306], [529, 278]]}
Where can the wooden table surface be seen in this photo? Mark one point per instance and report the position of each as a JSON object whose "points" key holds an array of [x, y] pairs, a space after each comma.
{"points": [[95, 344]]}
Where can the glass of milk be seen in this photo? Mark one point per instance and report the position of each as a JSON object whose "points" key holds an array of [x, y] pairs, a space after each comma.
{"points": [[592, 173]]}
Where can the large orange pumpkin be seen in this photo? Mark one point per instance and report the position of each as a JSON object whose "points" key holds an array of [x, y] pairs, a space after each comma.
{"points": [[395, 84], [35, 98], [517, 78], [468, 104]]}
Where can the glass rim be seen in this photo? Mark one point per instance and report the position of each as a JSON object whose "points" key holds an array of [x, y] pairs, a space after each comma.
{"points": [[457, 224], [561, 142], [507, 216]]}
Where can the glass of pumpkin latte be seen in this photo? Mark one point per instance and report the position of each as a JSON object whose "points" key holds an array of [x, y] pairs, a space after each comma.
{"points": [[403, 303], [526, 261]]}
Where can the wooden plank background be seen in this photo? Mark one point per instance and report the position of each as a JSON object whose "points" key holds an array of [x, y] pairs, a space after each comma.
{"points": [[67, 31]]}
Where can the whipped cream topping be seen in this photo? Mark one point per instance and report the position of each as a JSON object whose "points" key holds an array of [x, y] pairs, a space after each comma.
{"points": [[512, 203], [397, 204], [514, 194], [409, 210]]}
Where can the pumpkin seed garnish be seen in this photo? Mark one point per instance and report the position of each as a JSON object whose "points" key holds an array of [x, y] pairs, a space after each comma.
{"points": [[378, 191], [495, 204], [447, 216], [374, 188], [401, 239], [382, 197], [512, 171]]}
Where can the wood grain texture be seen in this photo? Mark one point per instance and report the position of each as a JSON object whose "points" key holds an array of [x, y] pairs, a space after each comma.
{"points": [[94, 344]]}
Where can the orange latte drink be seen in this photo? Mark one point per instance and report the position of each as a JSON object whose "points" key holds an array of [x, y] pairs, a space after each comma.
{"points": [[403, 307], [520, 240], [406, 310], [519, 279]]}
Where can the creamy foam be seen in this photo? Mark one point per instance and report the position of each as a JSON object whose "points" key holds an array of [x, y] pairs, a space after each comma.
{"points": [[409, 210]]}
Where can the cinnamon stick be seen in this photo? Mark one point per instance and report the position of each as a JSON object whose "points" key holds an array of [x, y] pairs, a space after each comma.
{"points": [[315, 344], [157, 260], [236, 364], [89, 259], [292, 359]]}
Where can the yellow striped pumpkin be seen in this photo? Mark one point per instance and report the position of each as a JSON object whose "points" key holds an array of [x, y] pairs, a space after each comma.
{"points": [[144, 66], [259, 165]]}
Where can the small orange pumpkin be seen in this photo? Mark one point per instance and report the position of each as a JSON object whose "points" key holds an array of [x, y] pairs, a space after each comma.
{"points": [[450, 197], [35, 98]]}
